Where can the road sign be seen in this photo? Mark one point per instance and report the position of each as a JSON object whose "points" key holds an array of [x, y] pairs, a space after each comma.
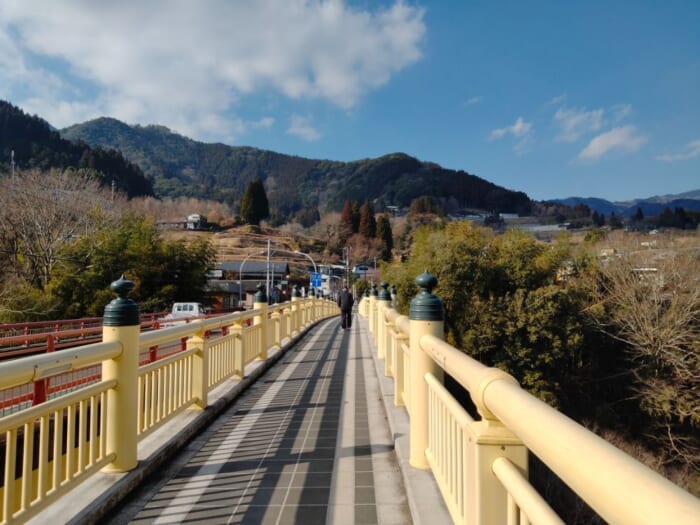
{"points": [[316, 280]]}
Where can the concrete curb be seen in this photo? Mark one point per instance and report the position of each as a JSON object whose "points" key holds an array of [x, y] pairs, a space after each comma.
{"points": [[91, 501], [424, 498]]}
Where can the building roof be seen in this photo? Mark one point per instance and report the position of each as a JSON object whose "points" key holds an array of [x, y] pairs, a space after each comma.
{"points": [[233, 287], [255, 267]]}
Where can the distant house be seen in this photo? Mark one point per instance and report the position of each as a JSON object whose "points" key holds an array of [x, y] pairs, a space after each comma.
{"points": [[233, 284], [195, 221]]}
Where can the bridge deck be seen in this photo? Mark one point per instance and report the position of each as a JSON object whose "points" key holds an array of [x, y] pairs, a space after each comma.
{"points": [[309, 442]]}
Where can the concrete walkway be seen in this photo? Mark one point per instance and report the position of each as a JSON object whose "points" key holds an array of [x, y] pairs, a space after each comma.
{"points": [[315, 440]]}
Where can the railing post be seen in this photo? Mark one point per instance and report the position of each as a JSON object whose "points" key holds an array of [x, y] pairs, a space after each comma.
{"points": [[365, 304], [303, 307], [200, 369], [399, 363], [260, 303], [41, 387], [486, 497], [122, 323], [373, 309], [276, 320], [236, 332], [296, 318], [426, 316], [286, 322], [383, 301]]}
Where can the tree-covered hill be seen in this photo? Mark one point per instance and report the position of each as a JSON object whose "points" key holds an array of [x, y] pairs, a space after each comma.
{"points": [[37, 145], [180, 166]]}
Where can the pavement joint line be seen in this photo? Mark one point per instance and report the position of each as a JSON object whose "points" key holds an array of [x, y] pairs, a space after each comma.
{"points": [[230, 443], [425, 501], [308, 430]]}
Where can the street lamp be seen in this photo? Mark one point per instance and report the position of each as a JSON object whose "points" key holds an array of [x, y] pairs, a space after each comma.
{"points": [[346, 255], [308, 257]]}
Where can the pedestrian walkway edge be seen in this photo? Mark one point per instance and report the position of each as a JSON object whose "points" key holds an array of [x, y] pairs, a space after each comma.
{"points": [[92, 500], [424, 498]]}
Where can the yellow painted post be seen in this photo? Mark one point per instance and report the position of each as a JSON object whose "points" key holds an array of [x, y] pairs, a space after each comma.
{"points": [[303, 308], [122, 323], [200, 369], [373, 309], [276, 321], [236, 332], [365, 305], [383, 302], [296, 311], [260, 303], [399, 364], [426, 318], [486, 497]]}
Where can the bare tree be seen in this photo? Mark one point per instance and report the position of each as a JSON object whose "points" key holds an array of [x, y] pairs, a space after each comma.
{"points": [[651, 294], [42, 211]]}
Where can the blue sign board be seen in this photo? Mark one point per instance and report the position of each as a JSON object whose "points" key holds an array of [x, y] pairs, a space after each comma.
{"points": [[316, 280]]}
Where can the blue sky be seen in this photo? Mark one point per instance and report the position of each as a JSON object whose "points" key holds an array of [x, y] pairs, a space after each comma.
{"points": [[557, 99]]}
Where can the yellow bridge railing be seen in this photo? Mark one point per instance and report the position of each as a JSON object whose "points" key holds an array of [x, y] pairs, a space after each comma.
{"points": [[46, 450], [481, 466]]}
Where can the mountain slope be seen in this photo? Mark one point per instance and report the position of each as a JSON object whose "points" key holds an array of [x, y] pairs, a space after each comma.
{"points": [[36, 145], [180, 166]]}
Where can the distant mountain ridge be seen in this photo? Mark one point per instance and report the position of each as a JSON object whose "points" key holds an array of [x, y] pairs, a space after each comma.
{"points": [[37, 145], [179, 166], [650, 206]]}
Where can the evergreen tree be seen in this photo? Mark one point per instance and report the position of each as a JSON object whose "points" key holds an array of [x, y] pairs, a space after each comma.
{"points": [[424, 205], [598, 219], [615, 222], [385, 234], [254, 205], [356, 217], [680, 218], [639, 216], [346, 221], [368, 224]]}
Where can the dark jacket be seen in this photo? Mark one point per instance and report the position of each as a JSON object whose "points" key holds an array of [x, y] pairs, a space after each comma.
{"points": [[345, 301]]}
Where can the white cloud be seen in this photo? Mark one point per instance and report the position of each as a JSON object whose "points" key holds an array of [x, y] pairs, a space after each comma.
{"points": [[474, 100], [575, 123], [300, 126], [521, 130], [557, 100], [183, 64], [624, 138], [621, 111], [691, 150]]}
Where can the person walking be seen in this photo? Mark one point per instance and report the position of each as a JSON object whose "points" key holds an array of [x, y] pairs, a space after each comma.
{"points": [[346, 301]]}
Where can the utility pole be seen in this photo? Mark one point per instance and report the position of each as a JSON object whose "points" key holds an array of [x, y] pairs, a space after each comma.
{"points": [[267, 279], [12, 163]]}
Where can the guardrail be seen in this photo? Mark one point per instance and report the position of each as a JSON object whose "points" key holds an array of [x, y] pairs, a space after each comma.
{"points": [[481, 465], [46, 450], [17, 398], [21, 339]]}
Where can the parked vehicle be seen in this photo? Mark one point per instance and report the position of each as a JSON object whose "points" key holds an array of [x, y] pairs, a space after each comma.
{"points": [[183, 311]]}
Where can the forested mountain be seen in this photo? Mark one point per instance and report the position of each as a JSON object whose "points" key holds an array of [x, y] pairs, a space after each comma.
{"points": [[179, 166], [36, 145]]}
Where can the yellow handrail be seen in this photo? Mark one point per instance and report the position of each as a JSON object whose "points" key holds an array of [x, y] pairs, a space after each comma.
{"points": [[618, 487]]}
